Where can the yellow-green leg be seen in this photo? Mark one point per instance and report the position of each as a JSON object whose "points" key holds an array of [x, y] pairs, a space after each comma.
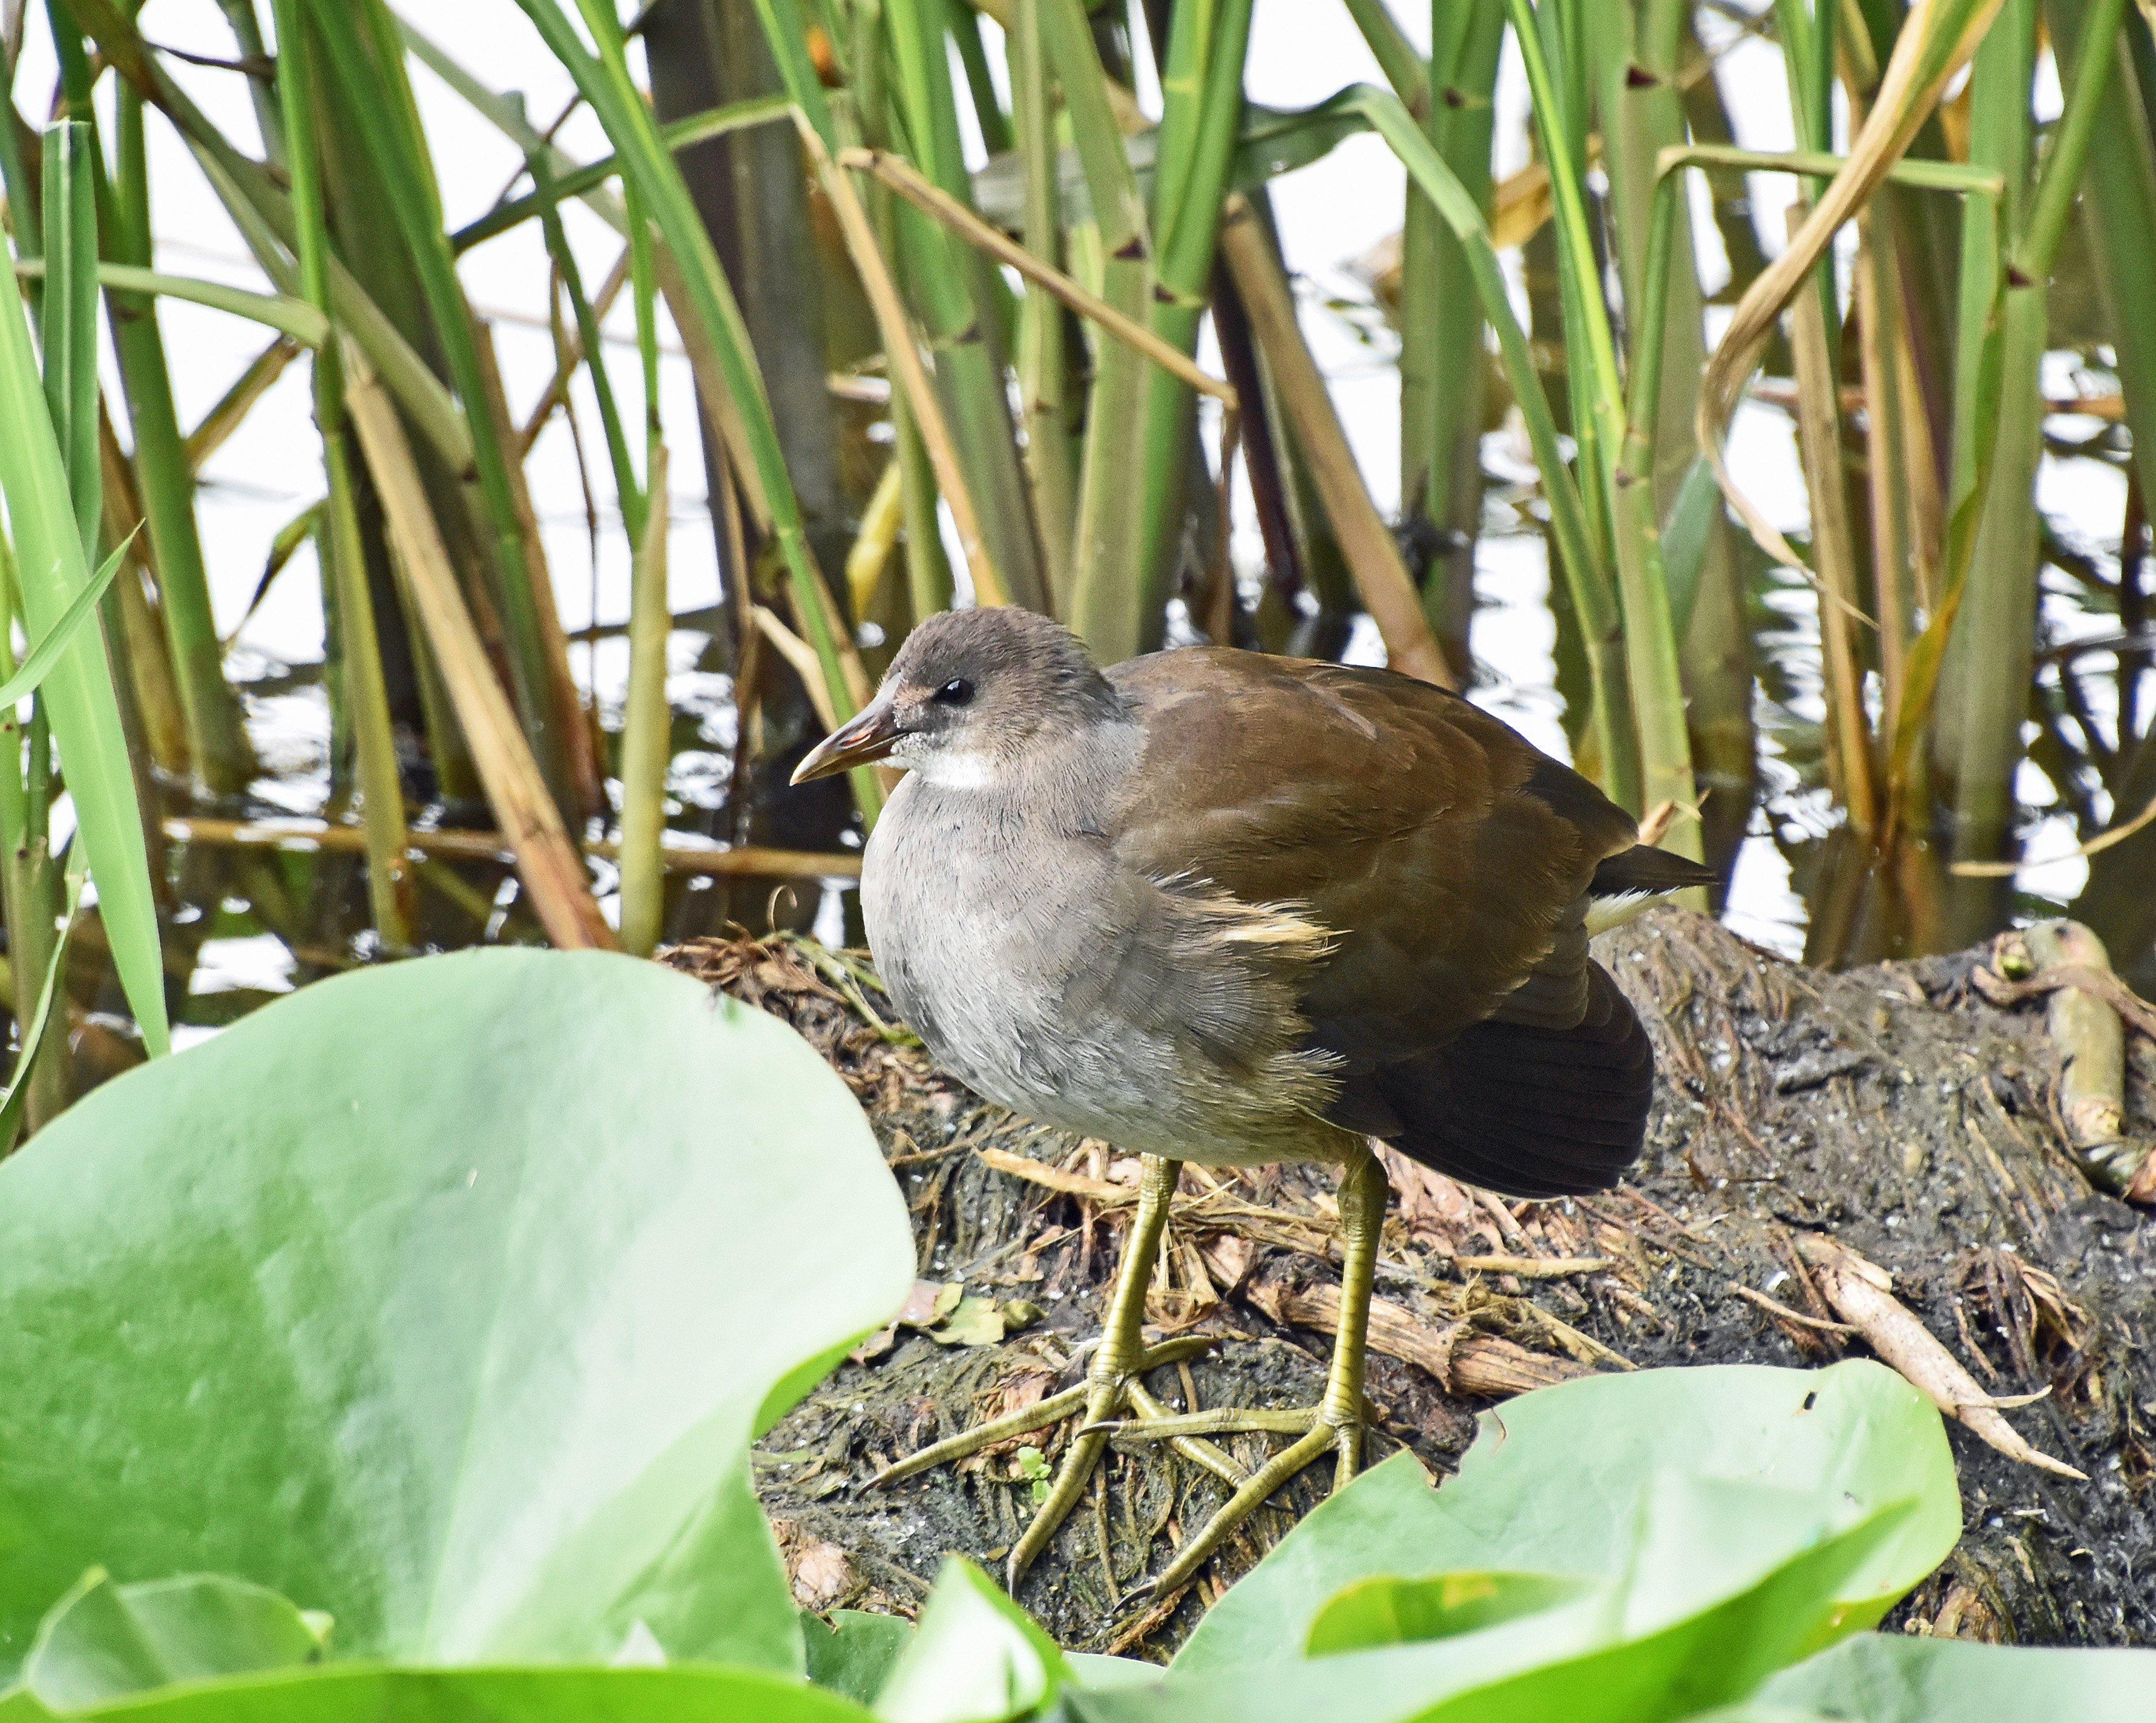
{"points": [[1334, 1426], [1111, 1387]]}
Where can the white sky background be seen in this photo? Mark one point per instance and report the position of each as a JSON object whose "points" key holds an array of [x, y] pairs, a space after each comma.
{"points": [[1331, 214]]}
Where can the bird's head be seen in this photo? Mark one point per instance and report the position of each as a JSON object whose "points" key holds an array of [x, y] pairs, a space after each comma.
{"points": [[970, 691]]}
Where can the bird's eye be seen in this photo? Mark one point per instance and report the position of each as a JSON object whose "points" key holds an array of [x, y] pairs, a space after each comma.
{"points": [[956, 692]]}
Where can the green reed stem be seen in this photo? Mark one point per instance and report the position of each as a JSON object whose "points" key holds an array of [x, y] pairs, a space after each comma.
{"points": [[606, 85], [339, 544]]}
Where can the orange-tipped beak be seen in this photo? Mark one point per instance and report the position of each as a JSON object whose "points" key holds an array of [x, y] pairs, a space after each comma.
{"points": [[867, 736]]}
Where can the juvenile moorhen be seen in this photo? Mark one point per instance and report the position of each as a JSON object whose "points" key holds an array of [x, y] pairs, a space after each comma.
{"points": [[1216, 906]]}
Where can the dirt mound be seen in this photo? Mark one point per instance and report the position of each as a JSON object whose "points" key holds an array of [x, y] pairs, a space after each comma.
{"points": [[1891, 1112]]}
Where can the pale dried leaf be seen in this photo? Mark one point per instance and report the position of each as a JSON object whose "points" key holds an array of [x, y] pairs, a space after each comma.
{"points": [[973, 1322], [1227, 1258], [929, 1303], [821, 1575]]}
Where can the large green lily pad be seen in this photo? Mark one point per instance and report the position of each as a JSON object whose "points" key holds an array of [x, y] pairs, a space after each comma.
{"points": [[1556, 1481], [444, 1298]]}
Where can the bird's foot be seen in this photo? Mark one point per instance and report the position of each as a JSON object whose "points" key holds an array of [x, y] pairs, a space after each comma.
{"points": [[1318, 1430], [1112, 1397]]}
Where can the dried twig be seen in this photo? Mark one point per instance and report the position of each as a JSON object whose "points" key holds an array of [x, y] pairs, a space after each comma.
{"points": [[1863, 1293], [1775, 1307], [676, 856], [1461, 1361], [1535, 1267]]}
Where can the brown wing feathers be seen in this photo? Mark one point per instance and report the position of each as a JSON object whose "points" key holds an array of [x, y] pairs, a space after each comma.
{"points": [[1452, 861]]}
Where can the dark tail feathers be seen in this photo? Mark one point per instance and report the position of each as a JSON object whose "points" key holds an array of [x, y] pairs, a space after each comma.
{"points": [[1640, 869], [1527, 1111]]}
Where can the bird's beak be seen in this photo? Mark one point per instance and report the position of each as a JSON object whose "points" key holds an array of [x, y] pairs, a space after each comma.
{"points": [[868, 736]]}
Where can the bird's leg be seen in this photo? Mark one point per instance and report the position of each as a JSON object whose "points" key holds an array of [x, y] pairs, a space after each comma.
{"points": [[1113, 1380], [1335, 1424], [1112, 1384], [1363, 1194]]}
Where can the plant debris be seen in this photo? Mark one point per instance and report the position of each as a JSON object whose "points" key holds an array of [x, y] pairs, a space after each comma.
{"points": [[1921, 1143], [1863, 1292]]}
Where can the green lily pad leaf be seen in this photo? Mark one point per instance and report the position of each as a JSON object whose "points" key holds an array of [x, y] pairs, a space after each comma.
{"points": [[1110, 1674], [360, 1693], [1572, 1662], [443, 1297], [103, 1641], [1888, 1678], [1555, 1482], [1684, 1559], [854, 1650], [1751, 1712], [975, 1658], [1392, 1611]]}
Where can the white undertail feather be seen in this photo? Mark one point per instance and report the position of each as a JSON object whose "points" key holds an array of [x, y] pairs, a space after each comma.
{"points": [[1604, 913]]}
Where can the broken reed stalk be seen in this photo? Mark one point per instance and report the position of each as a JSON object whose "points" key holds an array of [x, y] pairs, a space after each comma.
{"points": [[868, 558], [217, 426], [1045, 379], [904, 356], [1535, 1267], [2087, 1017], [217, 738], [578, 752], [1819, 426], [1374, 556], [142, 642], [1460, 1362], [339, 545], [1883, 354], [552, 870]]}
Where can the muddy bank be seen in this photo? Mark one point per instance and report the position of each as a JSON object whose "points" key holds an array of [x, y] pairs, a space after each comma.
{"points": [[1891, 1108]]}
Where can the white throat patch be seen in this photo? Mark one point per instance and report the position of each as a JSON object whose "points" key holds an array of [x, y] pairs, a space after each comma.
{"points": [[957, 769]]}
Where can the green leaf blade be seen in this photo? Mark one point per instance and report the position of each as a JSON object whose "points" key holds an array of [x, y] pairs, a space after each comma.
{"points": [[77, 690]]}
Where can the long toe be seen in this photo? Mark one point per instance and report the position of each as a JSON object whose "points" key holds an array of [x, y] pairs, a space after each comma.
{"points": [[1063, 1496], [1322, 1438], [1052, 1410], [1147, 1414]]}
